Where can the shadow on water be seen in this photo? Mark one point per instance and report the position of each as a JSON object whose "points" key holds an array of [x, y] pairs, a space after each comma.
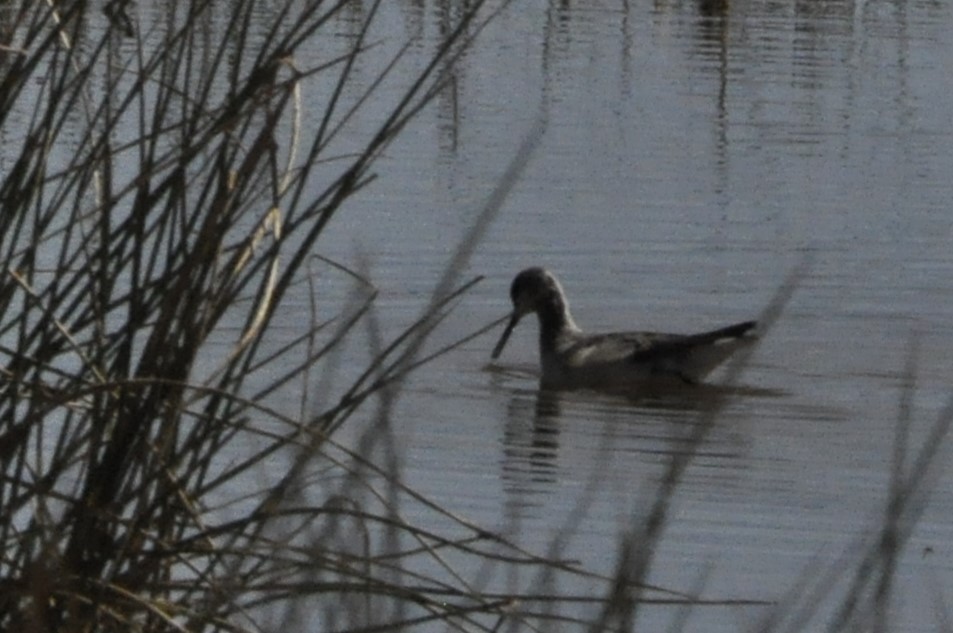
{"points": [[542, 425], [531, 446]]}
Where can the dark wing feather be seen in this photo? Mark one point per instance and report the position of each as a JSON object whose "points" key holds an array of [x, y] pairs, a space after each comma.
{"points": [[649, 347], [621, 346], [673, 344]]}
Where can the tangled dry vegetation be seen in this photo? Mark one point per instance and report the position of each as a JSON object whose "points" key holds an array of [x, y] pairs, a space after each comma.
{"points": [[157, 183]]}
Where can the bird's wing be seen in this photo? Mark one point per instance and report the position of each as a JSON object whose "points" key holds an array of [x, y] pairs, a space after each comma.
{"points": [[620, 346], [654, 348], [671, 345]]}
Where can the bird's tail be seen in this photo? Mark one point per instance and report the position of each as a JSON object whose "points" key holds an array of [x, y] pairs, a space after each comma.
{"points": [[704, 352]]}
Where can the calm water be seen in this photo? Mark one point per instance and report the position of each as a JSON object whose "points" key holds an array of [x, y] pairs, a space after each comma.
{"points": [[688, 163], [689, 160]]}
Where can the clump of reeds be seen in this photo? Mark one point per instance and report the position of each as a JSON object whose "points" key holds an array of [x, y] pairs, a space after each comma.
{"points": [[158, 185]]}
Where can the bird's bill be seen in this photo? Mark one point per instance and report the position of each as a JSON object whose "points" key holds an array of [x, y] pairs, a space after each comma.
{"points": [[506, 335]]}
